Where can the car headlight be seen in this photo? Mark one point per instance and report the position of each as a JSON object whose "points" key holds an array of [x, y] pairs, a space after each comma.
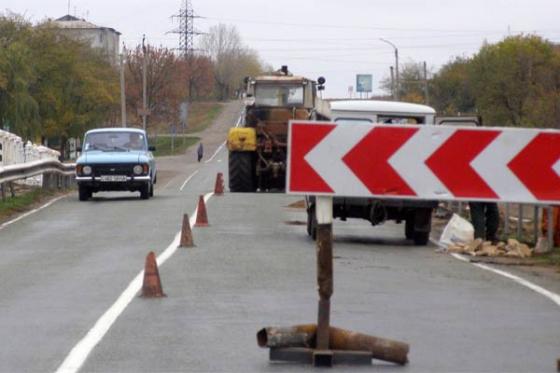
{"points": [[138, 169], [86, 170]]}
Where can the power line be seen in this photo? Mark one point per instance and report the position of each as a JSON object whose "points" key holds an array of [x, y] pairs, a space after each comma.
{"points": [[330, 26], [368, 47], [371, 39]]}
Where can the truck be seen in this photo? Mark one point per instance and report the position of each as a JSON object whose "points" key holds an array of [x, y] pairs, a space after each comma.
{"points": [[258, 144], [416, 214]]}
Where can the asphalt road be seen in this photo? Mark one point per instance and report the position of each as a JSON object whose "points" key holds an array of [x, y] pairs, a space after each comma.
{"points": [[254, 266]]}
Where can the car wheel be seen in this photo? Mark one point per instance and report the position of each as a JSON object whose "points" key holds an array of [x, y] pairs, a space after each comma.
{"points": [[151, 189], [84, 193], [145, 191]]}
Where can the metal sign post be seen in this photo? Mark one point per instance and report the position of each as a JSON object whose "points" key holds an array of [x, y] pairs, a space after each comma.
{"points": [[324, 213]]}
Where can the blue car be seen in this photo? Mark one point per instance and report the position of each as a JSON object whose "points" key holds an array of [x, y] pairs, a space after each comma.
{"points": [[116, 159]]}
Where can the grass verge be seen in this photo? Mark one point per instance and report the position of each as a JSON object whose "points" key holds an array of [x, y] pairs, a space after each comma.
{"points": [[202, 114], [22, 202], [165, 145]]}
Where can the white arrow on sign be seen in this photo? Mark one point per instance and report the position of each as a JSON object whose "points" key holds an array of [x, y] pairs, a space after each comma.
{"points": [[410, 163], [492, 163], [326, 159]]}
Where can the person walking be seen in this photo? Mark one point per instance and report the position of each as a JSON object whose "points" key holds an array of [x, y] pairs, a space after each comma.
{"points": [[485, 219], [200, 152]]}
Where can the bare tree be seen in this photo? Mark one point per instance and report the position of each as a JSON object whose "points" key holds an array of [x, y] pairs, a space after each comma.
{"points": [[232, 60]]}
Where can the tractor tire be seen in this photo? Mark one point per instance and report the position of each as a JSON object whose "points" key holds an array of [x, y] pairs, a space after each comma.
{"points": [[241, 172]]}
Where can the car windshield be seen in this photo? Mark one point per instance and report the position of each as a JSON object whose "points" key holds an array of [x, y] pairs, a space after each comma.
{"points": [[279, 95], [114, 141], [395, 119]]}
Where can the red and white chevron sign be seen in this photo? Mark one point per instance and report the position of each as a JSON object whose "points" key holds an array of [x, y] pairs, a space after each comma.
{"points": [[424, 162]]}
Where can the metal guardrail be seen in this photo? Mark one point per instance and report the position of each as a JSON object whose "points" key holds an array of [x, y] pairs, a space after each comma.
{"points": [[39, 167], [54, 174]]}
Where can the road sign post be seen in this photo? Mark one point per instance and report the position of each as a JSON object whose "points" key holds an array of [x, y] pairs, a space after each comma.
{"points": [[324, 215]]}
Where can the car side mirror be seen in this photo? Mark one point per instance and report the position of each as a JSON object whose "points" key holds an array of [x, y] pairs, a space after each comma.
{"points": [[79, 149], [152, 148]]}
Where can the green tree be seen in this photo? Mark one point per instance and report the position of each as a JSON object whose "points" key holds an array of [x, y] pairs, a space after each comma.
{"points": [[18, 108], [516, 82], [51, 86], [450, 88], [76, 88], [411, 83]]}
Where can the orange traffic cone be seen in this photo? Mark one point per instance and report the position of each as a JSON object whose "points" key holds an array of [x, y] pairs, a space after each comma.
{"points": [[186, 233], [219, 187], [201, 217], [151, 288]]}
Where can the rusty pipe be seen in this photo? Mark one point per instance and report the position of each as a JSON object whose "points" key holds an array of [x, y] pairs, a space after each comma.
{"points": [[285, 337], [339, 339]]}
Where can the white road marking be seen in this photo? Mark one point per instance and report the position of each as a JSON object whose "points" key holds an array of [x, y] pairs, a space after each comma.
{"points": [[4, 225], [187, 180], [85, 346], [542, 291], [166, 185], [216, 152], [239, 119]]}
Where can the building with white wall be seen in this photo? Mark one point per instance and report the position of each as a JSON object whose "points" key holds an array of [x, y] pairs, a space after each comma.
{"points": [[104, 38]]}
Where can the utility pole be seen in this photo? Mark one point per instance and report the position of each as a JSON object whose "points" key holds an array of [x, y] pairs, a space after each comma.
{"points": [[426, 97], [397, 82], [393, 83], [144, 97], [123, 93]]}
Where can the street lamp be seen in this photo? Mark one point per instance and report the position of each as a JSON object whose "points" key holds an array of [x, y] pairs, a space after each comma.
{"points": [[396, 93]]}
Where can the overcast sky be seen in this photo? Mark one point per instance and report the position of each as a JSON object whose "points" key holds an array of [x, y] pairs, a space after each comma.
{"points": [[333, 38]]}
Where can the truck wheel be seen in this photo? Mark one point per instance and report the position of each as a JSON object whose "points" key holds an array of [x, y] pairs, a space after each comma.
{"points": [[84, 193], [311, 222], [409, 227], [421, 238], [422, 226], [241, 172]]}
